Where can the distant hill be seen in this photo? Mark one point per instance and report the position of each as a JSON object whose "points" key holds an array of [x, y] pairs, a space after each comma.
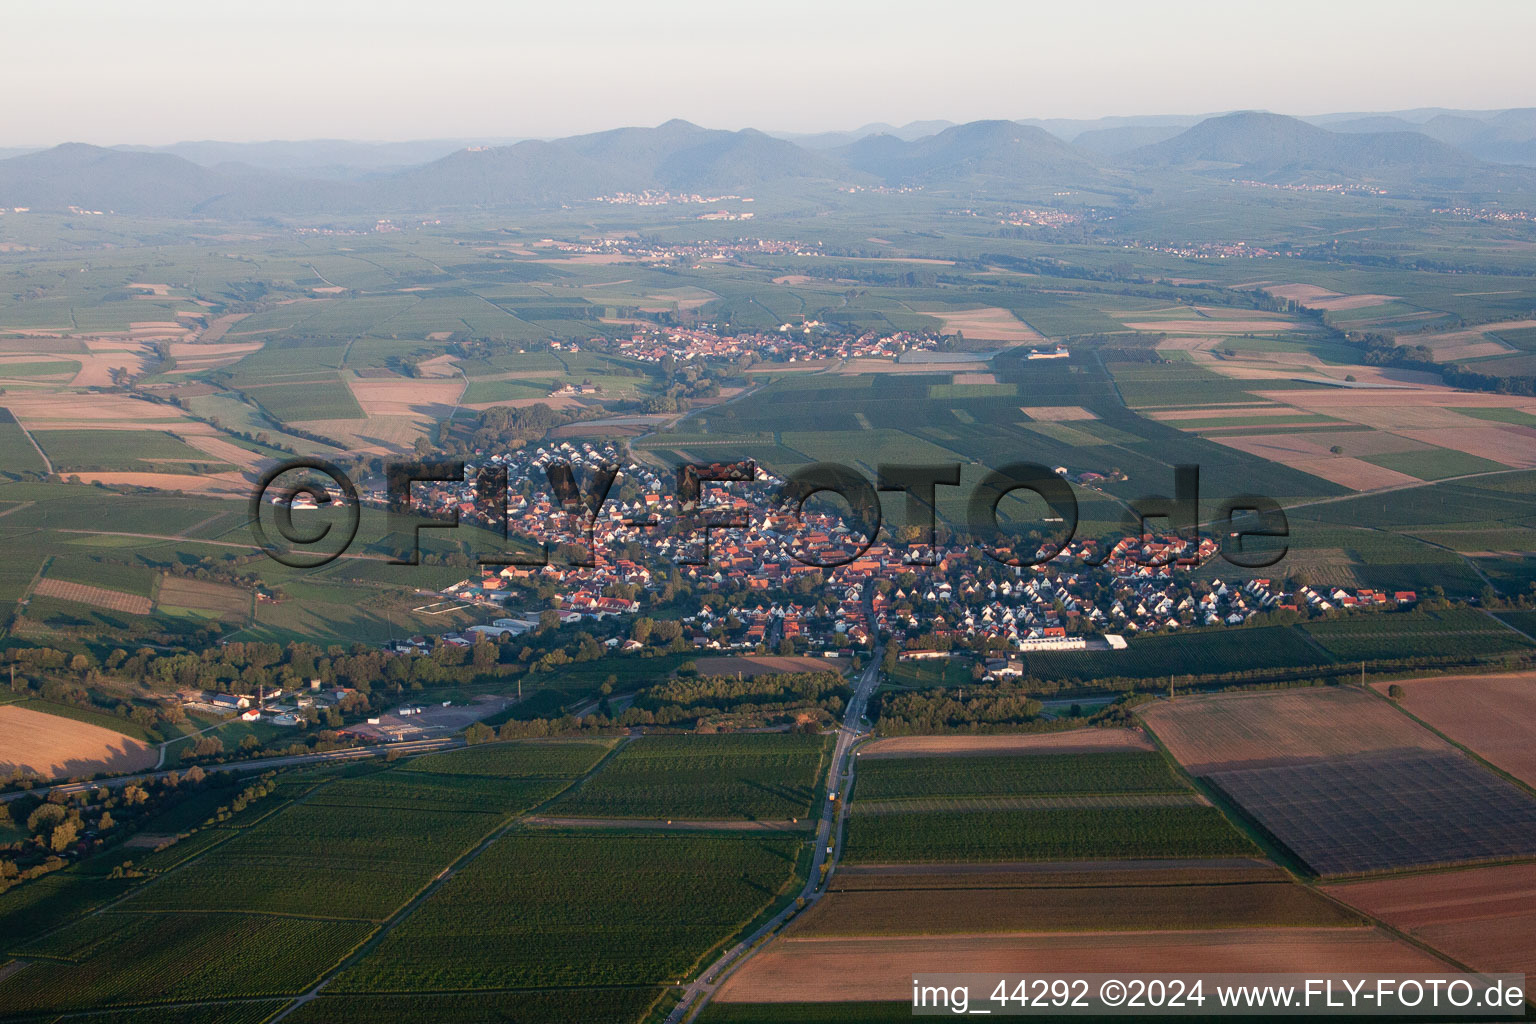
{"points": [[315, 158], [1272, 147], [980, 156], [74, 174], [830, 140], [971, 155], [1114, 141]]}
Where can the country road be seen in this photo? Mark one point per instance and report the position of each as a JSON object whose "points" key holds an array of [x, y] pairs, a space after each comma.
{"points": [[829, 848]]}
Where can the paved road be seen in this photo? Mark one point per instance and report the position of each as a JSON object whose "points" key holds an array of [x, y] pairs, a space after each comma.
{"points": [[255, 765], [829, 847]]}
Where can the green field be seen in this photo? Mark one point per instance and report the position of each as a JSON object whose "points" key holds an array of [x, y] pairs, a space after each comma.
{"points": [[894, 778], [525, 759], [588, 1005], [139, 958], [763, 776], [1418, 633], [546, 909], [1067, 833], [16, 453], [123, 450]]}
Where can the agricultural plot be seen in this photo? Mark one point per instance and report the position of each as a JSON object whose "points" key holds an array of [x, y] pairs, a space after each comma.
{"points": [[181, 595], [369, 859], [1483, 917], [108, 450], [46, 903], [16, 452], [1093, 905], [760, 776], [525, 759], [175, 957], [1354, 814], [57, 747], [879, 968], [1492, 716], [1224, 732], [1039, 774], [1204, 652], [97, 597], [588, 1005], [1075, 833], [543, 909], [1072, 741], [1418, 633]]}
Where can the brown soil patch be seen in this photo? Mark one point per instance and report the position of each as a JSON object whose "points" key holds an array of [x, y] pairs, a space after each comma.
{"points": [[1321, 298], [49, 411], [1513, 445], [99, 597], [224, 451], [974, 378], [428, 398], [215, 485], [56, 747], [1057, 413], [881, 969], [1483, 917], [991, 323], [1493, 716], [1226, 731], [1075, 741], [1355, 474]]}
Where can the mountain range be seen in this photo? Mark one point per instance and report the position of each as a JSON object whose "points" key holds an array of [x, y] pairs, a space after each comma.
{"points": [[236, 181]]}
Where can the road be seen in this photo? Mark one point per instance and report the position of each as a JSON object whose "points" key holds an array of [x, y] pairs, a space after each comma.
{"points": [[261, 764], [829, 837]]}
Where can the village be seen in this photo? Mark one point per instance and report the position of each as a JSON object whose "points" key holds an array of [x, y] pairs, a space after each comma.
{"points": [[769, 583]]}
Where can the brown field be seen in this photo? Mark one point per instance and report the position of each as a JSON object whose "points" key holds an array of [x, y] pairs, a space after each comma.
{"points": [[223, 450], [1023, 908], [1483, 917], [1057, 413], [1226, 731], [98, 597], [765, 664], [429, 398], [1468, 344], [1075, 741], [974, 378], [57, 747], [1303, 453], [1321, 298], [991, 323], [216, 599], [47, 411], [876, 969], [1493, 716], [223, 485], [375, 435]]}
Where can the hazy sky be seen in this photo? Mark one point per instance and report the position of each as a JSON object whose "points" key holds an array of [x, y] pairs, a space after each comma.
{"points": [[157, 71]]}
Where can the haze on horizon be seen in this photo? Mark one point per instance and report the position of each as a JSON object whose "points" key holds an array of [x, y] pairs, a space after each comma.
{"points": [[161, 71]]}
